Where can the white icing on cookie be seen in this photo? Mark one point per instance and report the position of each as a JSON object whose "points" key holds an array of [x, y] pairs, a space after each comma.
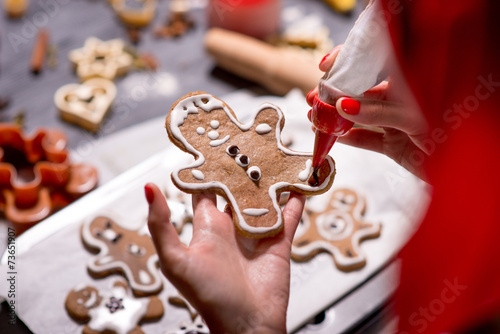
{"points": [[109, 234], [144, 277], [242, 160], [219, 142], [106, 262], [92, 300], [263, 128], [255, 212], [190, 105], [123, 320], [198, 174], [200, 131], [213, 135], [305, 173], [254, 170], [214, 124]]}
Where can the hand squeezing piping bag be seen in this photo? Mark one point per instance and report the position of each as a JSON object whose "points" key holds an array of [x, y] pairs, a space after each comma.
{"points": [[360, 65]]}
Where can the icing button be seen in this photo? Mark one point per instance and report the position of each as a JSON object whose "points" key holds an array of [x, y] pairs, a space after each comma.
{"points": [[233, 150], [254, 173], [86, 104], [105, 59], [242, 160]]}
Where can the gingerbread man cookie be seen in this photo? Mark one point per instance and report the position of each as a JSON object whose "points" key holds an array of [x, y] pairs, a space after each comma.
{"points": [[195, 325], [112, 312], [246, 164], [338, 230], [104, 59], [122, 251]]}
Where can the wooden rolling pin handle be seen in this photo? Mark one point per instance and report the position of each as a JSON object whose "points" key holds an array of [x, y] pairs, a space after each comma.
{"points": [[277, 69]]}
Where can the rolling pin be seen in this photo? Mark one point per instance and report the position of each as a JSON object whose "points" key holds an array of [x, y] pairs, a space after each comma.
{"points": [[277, 69]]}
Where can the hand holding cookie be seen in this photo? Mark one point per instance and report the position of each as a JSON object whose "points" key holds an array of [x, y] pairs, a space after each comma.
{"points": [[236, 283]]}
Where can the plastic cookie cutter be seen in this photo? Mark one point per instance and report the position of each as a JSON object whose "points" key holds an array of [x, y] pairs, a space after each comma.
{"points": [[86, 104], [337, 230], [105, 59], [135, 13], [36, 176]]}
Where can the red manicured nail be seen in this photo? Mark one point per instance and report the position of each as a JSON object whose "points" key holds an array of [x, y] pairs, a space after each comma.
{"points": [[150, 196], [350, 106], [324, 58]]}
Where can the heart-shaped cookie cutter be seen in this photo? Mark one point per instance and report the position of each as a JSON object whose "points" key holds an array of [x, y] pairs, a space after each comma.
{"points": [[86, 104], [104, 59], [36, 176], [138, 14]]}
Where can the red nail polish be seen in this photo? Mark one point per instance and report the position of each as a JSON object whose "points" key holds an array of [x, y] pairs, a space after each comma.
{"points": [[310, 96], [324, 58], [150, 196], [309, 115], [350, 106]]}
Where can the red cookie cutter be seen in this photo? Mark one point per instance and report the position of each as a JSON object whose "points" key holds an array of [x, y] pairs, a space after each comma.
{"points": [[36, 176]]}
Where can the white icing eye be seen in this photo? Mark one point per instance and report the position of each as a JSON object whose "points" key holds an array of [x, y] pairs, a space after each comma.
{"points": [[200, 131], [213, 135], [214, 124], [242, 160], [79, 301], [254, 173], [197, 174], [232, 150]]}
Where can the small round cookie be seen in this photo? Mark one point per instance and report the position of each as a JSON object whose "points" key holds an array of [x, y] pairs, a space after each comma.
{"points": [[247, 164]]}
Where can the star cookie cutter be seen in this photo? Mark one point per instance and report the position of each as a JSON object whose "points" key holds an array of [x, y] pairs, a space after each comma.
{"points": [[36, 176], [135, 13], [338, 230], [86, 104], [104, 59], [248, 164]]}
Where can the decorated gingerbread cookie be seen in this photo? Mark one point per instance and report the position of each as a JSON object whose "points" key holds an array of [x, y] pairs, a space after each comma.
{"points": [[112, 312], [122, 251], [338, 230], [195, 325], [247, 164]]}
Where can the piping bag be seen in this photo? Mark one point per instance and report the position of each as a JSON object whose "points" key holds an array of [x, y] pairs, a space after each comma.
{"points": [[360, 65]]}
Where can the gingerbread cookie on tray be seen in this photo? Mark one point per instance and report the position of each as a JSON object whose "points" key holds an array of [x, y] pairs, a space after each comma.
{"points": [[111, 311], [337, 230], [247, 164], [129, 253]]}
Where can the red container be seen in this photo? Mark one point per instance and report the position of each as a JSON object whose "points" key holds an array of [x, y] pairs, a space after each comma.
{"points": [[256, 18]]}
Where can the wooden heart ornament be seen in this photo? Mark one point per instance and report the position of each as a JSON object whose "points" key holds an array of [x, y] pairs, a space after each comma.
{"points": [[86, 104]]}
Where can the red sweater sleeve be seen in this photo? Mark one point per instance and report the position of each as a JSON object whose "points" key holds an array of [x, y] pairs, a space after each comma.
{"points": [[449, 52]]}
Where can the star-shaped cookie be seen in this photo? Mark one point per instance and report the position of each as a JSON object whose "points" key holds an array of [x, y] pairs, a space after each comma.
{"points": [[104, 59], [246, 164]]}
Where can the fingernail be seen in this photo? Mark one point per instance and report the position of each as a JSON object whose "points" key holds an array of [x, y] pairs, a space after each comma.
{"points": [[150, 196], [324, 58], [350, 106], [309, 115]]}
